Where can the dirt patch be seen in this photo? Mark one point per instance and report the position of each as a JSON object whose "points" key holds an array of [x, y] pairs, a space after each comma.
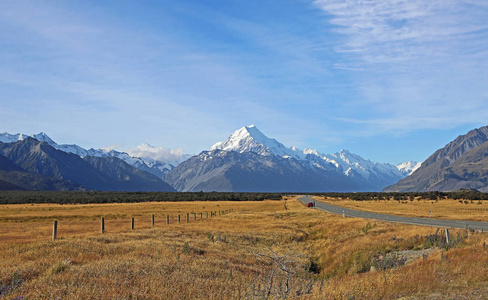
{"points": [[413, 255]]}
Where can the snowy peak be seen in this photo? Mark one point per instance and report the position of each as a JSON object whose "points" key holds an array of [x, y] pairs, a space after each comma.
{"points": [[42, 137], [12, 138], [251, 139], [409, 167], [347, 162]]}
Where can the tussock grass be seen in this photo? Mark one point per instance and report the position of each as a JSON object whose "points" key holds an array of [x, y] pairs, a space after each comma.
{"points": [[229, 256]]}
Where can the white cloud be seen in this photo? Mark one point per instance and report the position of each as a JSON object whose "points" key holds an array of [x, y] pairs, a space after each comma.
{"points": [[110, 148], [158, 153]]}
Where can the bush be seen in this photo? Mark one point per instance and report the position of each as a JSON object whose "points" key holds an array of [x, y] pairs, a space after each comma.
{"points": [[388, 261], [438, 239]]}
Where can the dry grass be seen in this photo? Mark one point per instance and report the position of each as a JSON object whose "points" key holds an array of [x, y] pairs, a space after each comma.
{"points": [[448, 209], [216, 258]]}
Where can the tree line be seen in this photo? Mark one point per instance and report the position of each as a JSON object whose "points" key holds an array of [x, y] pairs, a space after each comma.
{"points": [[465, 194], [93, 197]]}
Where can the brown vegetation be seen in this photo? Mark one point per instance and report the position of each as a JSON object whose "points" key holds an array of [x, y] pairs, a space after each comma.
{"points": [[259, 251], [448, 209]]}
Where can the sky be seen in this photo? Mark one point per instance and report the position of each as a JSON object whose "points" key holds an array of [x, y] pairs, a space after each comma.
{"points": [[390, 80]]}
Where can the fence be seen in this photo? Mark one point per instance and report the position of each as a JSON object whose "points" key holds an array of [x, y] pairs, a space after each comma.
{"points": [[152, 220]]}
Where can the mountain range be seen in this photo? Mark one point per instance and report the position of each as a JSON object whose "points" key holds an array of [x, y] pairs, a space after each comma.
{"points": [[461, 164], [155, 166], [248, 161], [36, 165]]}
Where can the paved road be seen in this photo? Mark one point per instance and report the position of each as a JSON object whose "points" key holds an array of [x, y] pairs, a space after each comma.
{"points": [[407, 220]]}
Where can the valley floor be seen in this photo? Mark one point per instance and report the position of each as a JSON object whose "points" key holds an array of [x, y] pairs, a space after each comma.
{"points": [[265, 249]]}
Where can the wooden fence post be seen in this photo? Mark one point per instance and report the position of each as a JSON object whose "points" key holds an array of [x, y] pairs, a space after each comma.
{"points": [[132, 224], [207, 214], [201, 215], [194, 216], [102, 229], [152, 220], [167, 219], [343, 214], [178, 219], [447, 236], [187, 217], [55, 229]]}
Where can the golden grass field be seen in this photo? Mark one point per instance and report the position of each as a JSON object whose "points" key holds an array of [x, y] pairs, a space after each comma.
{"points": [[228, 256], [448, 209]]}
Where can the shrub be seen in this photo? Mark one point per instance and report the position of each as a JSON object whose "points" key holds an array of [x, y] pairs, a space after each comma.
{"points": [[186, 248], [438, 239], [60, 266], [388, 261]]}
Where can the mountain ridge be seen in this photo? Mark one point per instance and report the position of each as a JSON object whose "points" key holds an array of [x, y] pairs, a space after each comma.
{"points": [[460, 164], [40, 158], [266, 156], [280, 167]]}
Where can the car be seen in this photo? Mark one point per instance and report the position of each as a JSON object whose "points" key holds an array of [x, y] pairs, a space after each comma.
{"points": [[310, 204]]}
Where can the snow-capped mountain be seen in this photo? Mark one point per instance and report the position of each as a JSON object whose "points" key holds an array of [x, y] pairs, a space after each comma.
{"points": [[12, 138], [250, 161], [409, 167], [153, 166], [42, 137], [251, 139], [34, 165]]}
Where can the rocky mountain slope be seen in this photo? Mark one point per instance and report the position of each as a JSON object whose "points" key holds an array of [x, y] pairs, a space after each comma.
{"points": [[34, 157], [462, 163], [13, 177], [230, 171]]}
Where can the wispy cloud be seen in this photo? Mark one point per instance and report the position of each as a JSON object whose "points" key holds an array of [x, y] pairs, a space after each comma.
{"points": [[398, 30], [415, 64]]}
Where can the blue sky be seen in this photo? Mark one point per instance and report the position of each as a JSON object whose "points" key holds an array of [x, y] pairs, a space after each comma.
{"points": [[389, 80]]}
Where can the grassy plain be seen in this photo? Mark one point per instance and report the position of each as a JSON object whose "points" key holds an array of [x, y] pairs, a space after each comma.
{"points": [[230, 256], [448, 209]]}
